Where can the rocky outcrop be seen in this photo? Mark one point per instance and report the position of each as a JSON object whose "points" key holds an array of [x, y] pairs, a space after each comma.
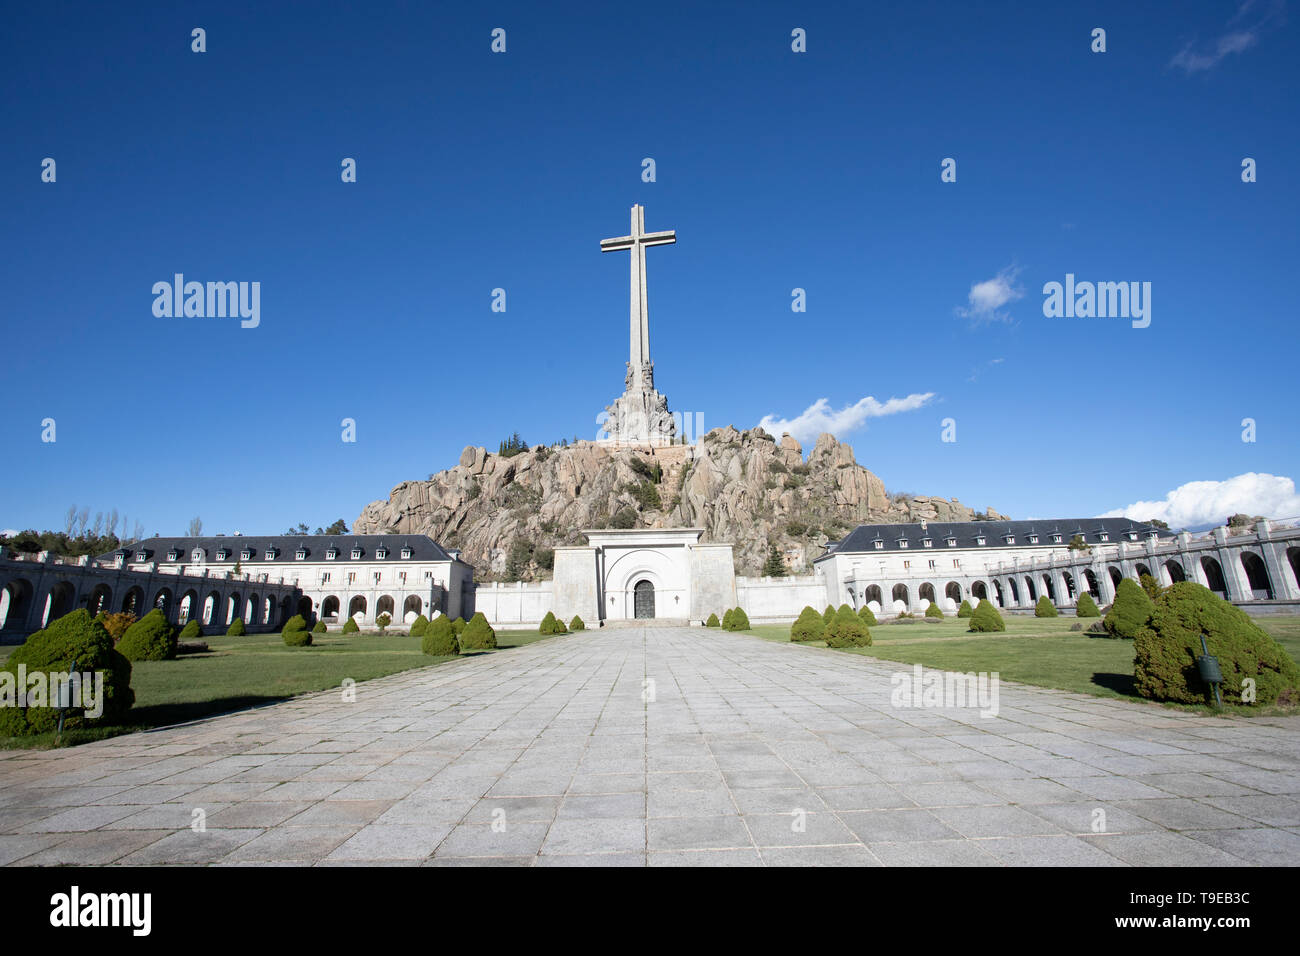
{"points": [[744, 487]]}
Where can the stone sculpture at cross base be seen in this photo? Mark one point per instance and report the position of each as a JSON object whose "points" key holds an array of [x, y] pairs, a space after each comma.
{"points": [[640, 416]]}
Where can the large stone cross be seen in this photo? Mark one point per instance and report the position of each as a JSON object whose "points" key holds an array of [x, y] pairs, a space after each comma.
{"points": [[639, 343]]}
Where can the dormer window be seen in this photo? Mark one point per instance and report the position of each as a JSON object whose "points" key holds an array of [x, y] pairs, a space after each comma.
{"points": [[381, 553], [979, 539], [356, 554], [952, 542], [300, 554], [331, 554], [879, 544], [1152, 535], [196, 555], [1132, 535], [1008, 538], [1033, 539], [1103, 536], [406, 554], [246, 554], [902, 542], [926, 542], [173, 555], [1056, 539], [222, 554], [140, 556], [270, 554]]}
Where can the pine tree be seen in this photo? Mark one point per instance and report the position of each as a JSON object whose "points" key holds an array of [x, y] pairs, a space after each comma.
{"points": [[775, 567]]}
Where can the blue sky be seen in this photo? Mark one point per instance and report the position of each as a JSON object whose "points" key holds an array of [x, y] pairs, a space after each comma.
{"points": [[779, 170]]}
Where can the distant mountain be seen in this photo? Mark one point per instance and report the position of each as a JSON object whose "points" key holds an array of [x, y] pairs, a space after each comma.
{"points": [[742, 487]]}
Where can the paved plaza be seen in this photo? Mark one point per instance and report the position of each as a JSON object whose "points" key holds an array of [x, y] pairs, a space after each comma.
{"points": [[669, 745]]}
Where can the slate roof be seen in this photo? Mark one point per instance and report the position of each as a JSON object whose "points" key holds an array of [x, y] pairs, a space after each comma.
{"points": [[423, 548], [863, 538]]}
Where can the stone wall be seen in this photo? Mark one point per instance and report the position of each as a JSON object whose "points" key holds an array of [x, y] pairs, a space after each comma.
{"points": [[780, 599], [517, 604]]}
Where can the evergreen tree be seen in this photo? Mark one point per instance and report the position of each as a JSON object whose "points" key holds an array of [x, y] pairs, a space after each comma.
{"points": [[775, 567]]}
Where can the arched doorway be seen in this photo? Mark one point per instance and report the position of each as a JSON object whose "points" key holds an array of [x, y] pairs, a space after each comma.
{"points": [[900, 593], [978, 590], [189, 607], [15, 603], [1015, 590], [926, 593], [329, 608], [643, 600], [1093, 587], [1213, 575], [385, 606], [1175, 571], [872, 593], [412, 607], [232, 609], [953, 592], [1257, 576], [162, 601], [1070, 589], [133, 603], [997, 589], [1049, 588], [1030, 589], [304, 608], [1115, 575], [59, 602], [357, 606], [100, 600]]}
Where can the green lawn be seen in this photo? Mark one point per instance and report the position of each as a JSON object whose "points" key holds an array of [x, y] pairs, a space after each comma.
{"points": [[240, 672], [1040, 651]]}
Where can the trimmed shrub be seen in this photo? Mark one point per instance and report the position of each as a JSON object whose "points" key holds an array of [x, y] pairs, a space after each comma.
{"points": [[933, 611], [713, 621], [319, 628], [1131, 610], [552, 625], [1150, 585], [419, 626], [383, 620], [964, 609], [828, 615], [1086, 606], [73, 641], [1045, 607], [116, 624], [868, 618], [350, 626], [191, 629], [986, 618], [847, 630], [726, 619], [478, 634], [295, 633], [236, 628], [151, 638], [458, 625], [808, 627], [576, 624], [739, 620], [1166, 648], [439, 638]]}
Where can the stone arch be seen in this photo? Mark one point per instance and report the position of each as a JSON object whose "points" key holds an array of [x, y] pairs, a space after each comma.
{"points": [[979, 590], [357, 606], [1049, 588], [133, 601], [16, 603], [268, 609], [304, 608], [900, 593], [1015, 590], [643, 599], [329, 608], [1176, 572], [1261, 585], [649, 564], [211, 609], [163, 601], [926, 593], [1214, 575], [1090, 578], [233, 608], [1070, 589], [1030, 589], [385, 605], [252, 609], [60, 600], [997, 589], [187, 609], [952, 591], [101, 599], [1116, 575], [412, 608], [872, 593], [1141, 570], [286, 609], [1293, 558]]}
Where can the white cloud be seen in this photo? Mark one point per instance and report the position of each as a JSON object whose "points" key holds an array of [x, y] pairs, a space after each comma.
{"points": [[986, 299], [1211, 502], [820, 417], [1192, 60]]}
